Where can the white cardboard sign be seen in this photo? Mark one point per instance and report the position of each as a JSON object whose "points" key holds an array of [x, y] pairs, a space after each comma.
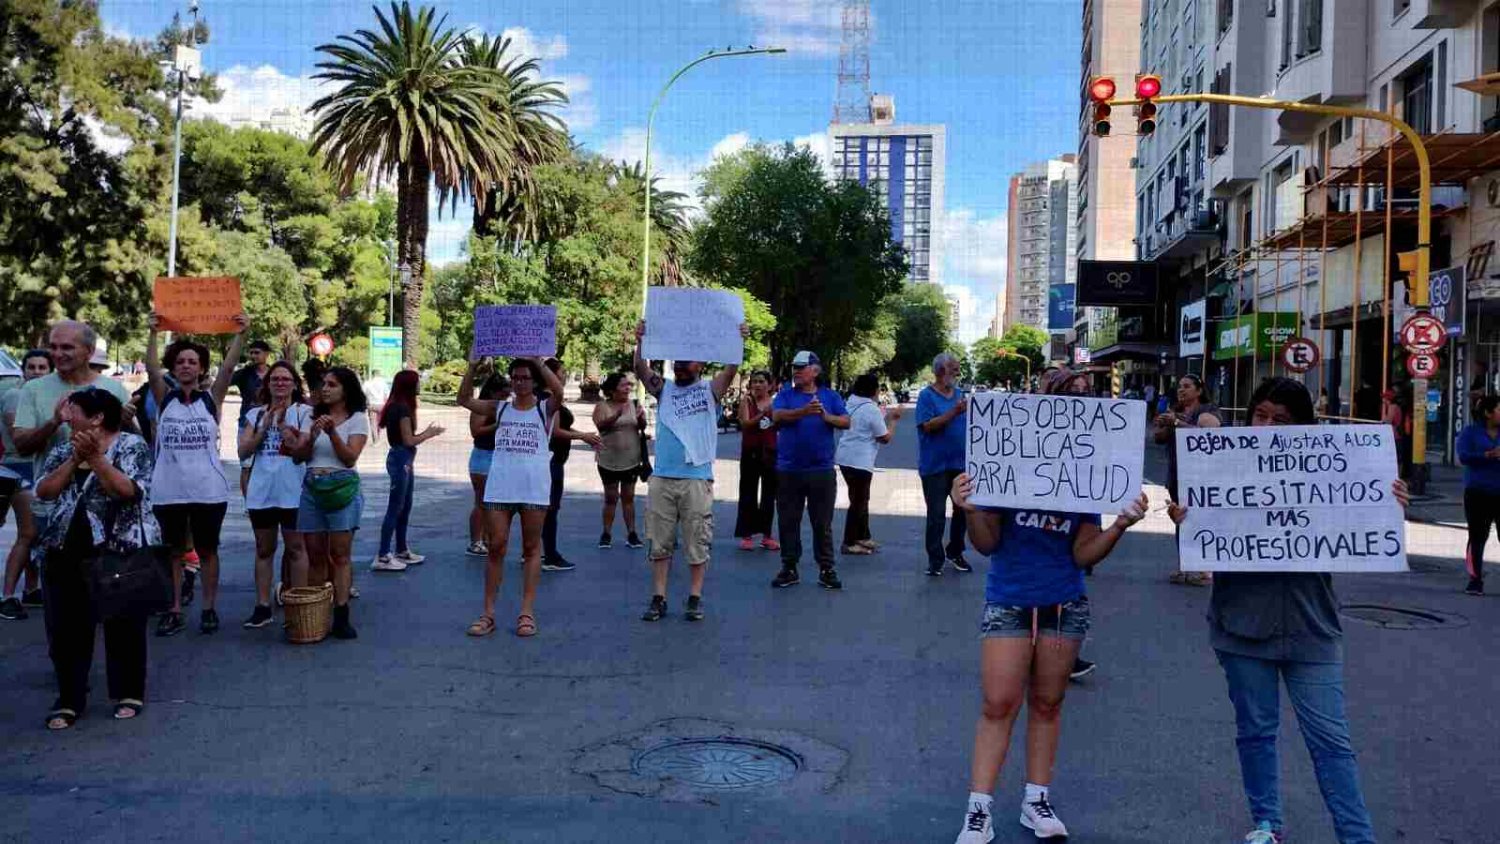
{"points": [[1070, 454], [686, 323], [1296, 498], [515, 331]]}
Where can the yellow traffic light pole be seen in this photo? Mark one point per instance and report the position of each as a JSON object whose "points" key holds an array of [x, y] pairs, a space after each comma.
{"points": [[1419, 295], [1007, 353]]}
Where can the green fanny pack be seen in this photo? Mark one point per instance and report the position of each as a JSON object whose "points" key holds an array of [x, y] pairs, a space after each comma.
{"points": [[333, 492]]}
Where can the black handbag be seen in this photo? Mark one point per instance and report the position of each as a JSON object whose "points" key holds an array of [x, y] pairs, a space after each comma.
{"points": [[645, 468], [130, 585]]}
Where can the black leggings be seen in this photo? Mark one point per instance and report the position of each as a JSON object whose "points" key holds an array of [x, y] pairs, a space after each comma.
{"points": [[1481, 511]]}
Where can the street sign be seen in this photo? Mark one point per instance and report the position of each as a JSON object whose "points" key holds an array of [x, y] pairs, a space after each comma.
{"points": [[1423, 334], [1422, 365], [320, 345], [1300, 354], [385, 351]]}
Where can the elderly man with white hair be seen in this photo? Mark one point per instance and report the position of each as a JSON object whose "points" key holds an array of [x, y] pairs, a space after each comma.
{"points": [[941, 422], [39, 424]]}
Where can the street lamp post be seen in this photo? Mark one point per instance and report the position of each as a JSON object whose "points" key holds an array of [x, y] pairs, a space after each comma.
{"points": [[1006, 353], [185, 63], [650, 121]]}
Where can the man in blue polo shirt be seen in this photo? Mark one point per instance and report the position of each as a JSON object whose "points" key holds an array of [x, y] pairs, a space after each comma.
{"points": [[806, 416], [941, 426]]}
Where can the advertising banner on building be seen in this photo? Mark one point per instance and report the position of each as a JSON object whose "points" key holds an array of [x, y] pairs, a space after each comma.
{"points": [[1116, 283], [1254, 335], [1191, 339], [1060, 299]]}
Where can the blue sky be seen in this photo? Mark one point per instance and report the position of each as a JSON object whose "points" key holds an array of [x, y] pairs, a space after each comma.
{"points": [[1001, 74]]}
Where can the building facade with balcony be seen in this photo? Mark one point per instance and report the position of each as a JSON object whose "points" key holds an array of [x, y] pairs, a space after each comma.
{"points": [[1106, 214], [1043, 241]]}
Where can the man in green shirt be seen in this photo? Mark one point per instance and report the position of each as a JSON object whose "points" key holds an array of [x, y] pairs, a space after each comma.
{"points": [[39, 426]]}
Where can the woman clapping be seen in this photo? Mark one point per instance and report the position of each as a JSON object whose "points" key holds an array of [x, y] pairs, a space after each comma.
{"points": [[274, 489]]}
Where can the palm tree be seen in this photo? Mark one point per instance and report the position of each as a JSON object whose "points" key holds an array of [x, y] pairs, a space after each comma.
{"points": [[509, 207], [668, 217], [408, 107]]}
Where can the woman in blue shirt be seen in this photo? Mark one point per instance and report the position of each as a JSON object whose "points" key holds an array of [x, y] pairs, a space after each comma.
{"points": [[1036, 614], [1479, 451]]}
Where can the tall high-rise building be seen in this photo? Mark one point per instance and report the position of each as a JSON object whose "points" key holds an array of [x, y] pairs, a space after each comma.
{"points": [[1106, 182], [1042, 248], [955, 317], [905, 164]]}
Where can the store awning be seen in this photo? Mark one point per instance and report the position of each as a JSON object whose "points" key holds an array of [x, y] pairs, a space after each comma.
{"points": [[1133, 351], [1456, 158], [1342, 318]]}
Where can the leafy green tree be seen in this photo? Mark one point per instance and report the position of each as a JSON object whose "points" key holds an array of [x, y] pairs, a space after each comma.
{"points": [[921, 317], [408, 107], [819, 253], [73, 212], [995, 360]]}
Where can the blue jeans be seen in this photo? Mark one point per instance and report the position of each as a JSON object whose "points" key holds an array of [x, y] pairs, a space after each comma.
{"points": [[398, 465], [1317, 694]]}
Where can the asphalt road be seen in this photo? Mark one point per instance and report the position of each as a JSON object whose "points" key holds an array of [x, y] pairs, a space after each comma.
{"points": [[415, 731]]}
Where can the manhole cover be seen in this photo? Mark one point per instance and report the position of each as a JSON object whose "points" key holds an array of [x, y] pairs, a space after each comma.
{"points": [[718, 763], [1401, 618]]}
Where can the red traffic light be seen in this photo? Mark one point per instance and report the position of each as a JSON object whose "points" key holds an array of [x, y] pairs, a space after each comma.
{"points": [[1147, 85], [1102, 89]]}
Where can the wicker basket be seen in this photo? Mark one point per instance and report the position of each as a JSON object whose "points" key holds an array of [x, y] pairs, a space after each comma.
{"points": [[309, 613]]}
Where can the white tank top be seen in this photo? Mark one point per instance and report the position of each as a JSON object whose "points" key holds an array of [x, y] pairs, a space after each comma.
{"points": [[520, 465], [187, 469]]}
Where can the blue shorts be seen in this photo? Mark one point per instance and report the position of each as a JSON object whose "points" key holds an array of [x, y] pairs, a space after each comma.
{"points": [[479, 460], [1062, 621], [23, 472], [311, 519]]}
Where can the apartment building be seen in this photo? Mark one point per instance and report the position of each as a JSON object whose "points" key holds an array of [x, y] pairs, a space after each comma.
{"points": [[1277, 222], [1043, 239]]}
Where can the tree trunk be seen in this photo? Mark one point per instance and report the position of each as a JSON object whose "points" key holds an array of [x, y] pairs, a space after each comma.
{"points": [[411, 231]]}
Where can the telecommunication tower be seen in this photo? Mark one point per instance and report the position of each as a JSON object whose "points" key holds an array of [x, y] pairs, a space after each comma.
{"points": [[851, 102]]}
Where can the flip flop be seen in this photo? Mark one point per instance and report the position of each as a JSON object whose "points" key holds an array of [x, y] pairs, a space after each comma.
{"points": [[128, 704], [482, 626], [525, 625], [68, 717]]}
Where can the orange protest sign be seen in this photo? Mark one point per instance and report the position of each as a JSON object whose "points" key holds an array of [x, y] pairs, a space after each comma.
{"points": [[198, 305]]}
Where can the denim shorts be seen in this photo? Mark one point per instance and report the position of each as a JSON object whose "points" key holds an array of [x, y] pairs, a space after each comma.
{"points": [[479, 460], [512, 507], [311, 519], [1064, 621]]}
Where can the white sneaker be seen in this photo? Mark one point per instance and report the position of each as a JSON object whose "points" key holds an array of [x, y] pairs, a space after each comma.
{"points": [[978, 827], [386, 562], [410, 558], [477, 549], [1038, 817]]}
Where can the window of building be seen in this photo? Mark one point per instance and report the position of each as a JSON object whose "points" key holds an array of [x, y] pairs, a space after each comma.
{"points": [[1226, 15], [1218, 115], [1286, 35], [1399, 8], [1309, 27], [1417, 96]]}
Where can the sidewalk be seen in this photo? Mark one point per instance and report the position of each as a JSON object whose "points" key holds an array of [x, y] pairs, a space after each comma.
{"points": [[1443, 502]]}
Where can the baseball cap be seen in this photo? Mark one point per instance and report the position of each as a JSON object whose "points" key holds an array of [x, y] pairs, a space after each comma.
{"points": [[805, 358], [259, 346]]}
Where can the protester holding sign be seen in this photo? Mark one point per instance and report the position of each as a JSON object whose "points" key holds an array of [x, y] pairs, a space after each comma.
{"points": [[1036, 616], [189, 493], [1479, 451], [1190, 411], [682, 484], [519, 482], [1269, 628]]}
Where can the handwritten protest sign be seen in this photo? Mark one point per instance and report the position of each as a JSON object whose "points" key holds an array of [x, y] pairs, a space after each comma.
{"points": [[1065, 453], [198, 305], [684, 323], [1311, 498], [515, 330]]}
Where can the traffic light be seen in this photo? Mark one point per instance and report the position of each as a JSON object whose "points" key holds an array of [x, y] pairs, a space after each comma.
{"points": [[1101, 91], [1147, 88]]}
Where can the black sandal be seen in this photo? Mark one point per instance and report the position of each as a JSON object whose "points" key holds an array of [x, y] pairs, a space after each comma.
{"points": [[69, 717], [128, 704]]}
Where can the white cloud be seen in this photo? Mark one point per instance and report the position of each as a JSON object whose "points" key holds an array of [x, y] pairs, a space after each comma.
{"points": [[819, 144], [729, 145], [975, 312], [803, 27], [531, 45], [581, 112], [252, 95]]}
